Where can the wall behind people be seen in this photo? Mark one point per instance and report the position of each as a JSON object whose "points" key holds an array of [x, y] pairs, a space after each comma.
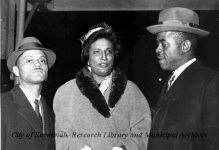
{"points": [[61, 31]]}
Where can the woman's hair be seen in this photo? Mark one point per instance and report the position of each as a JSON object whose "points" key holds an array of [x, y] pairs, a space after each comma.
{"points": [[98, 32]]}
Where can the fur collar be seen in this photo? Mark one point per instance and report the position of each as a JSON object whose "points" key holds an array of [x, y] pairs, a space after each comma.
{"points": [[89, 88]]}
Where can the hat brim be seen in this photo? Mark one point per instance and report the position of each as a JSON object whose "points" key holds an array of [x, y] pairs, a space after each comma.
{"points": [[50, 55], [162, 28]]}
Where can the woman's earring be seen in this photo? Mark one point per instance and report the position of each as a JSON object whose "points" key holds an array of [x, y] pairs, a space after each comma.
{"points": [[88, 66]]}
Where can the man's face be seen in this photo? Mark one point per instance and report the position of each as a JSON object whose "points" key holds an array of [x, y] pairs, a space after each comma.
{"points": [[169, 53], [31, 67], [101, 57]]}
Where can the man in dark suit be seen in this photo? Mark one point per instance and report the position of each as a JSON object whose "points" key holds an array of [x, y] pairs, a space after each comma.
{"points": [[26, 121], [187, 113]]}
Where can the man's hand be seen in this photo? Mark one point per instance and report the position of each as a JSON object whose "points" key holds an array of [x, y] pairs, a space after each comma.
{"points": [[86, 148], [117, 148]]}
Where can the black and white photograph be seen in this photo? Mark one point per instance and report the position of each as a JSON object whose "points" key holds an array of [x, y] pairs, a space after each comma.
{"points": [[109, 75]]}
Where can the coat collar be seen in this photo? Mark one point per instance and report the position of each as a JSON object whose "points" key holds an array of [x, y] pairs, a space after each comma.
{"points": [[180, 84], [25, 108], [88, 87], [26, 111]]}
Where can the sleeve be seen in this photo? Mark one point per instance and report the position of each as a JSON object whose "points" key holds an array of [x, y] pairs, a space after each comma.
{"points": [[211, 115], [2, 127], [64, 126], [140, 122]]}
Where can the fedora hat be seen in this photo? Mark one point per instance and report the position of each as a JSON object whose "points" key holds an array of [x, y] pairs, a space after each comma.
{"points": [[178, 19], [30, 43]]}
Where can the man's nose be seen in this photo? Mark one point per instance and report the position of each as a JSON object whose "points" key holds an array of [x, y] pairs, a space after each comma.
{"points": [[158, 49], [37, 63], [104, 55]]}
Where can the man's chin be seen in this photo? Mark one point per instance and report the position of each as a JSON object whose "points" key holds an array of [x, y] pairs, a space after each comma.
{"points": [[163, 66], [38, 80]]}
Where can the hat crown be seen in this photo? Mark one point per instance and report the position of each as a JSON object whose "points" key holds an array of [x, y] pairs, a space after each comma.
{"points": [[183, 15], [29, 43], [178, 19], [28, 40]]}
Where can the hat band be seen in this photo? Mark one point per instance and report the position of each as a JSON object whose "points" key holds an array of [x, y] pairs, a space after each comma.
{"points": [[176, 22], [30, 46]]}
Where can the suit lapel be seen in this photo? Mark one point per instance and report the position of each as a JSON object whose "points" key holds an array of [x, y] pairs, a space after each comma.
{"points": [[26, 110], [184, 80], [179, 85], [46, 122], [45, 116], [163, 94], [175, 88]]}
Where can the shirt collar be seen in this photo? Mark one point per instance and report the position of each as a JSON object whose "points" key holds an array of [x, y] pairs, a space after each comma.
{"points": [[179, 70], [105, 83], [29, 95]]}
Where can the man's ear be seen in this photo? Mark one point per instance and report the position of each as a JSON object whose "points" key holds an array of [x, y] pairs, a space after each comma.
{"points": [[186, 46], [16, 71]]}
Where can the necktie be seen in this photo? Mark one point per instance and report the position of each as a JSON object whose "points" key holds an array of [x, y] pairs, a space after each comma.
{"points": [[170, 82], [37, 111]]}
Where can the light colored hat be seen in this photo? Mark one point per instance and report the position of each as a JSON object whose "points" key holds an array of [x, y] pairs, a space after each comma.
{"points": [[30, 43], [178, 19]]}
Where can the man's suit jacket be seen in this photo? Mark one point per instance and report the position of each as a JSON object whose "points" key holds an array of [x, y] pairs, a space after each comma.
{"points": [[187, 116], [20, 127]]}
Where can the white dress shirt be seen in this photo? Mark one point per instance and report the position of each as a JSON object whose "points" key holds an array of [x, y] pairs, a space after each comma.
{"points": [[179, 70], [31, 98]]}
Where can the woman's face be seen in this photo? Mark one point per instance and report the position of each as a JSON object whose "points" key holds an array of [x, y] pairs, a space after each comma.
{"points": [[101, 58]]}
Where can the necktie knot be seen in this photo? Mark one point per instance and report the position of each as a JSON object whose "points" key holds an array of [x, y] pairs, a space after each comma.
{"points": [[36, 102], [171, 80]]}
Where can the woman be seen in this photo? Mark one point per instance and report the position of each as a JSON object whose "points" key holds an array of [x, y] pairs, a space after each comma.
{"points": [[100, 109]]}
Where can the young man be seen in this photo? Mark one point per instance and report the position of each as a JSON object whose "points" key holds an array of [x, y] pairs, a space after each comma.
{"points": [[26, 121], [186, 117]]}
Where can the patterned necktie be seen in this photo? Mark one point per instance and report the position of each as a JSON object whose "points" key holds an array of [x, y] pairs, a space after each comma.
{"points": [[170, 82], [37, 111]]}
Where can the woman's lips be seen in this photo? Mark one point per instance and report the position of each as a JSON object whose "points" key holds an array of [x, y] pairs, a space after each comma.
{"points": [[103, 64]]}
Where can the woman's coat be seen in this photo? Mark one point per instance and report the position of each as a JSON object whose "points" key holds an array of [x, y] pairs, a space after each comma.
{"points": [[83, 116]]}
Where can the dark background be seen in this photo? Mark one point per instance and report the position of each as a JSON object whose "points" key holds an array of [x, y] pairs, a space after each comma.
{"points": [[60, 32]]}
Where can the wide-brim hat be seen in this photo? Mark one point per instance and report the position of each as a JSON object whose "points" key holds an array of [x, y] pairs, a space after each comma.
{"points": [[178, 19], [30, 43]]}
